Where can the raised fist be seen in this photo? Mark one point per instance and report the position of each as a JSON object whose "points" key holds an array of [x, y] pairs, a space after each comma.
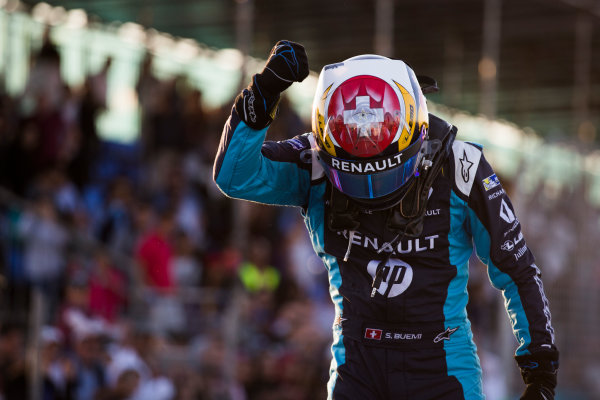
{"points": [[287, 64]]}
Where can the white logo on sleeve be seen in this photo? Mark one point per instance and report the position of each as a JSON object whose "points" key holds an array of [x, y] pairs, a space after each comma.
{"points": [[465, 167], [508, 246], [518, 238], [506, 213], [466, 162]]}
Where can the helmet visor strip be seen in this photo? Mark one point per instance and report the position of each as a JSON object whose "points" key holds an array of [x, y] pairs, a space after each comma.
{"points": [[373, 185]]}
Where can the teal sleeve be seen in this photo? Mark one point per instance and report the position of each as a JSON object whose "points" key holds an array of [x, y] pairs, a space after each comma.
{"points": [[242, 170]]}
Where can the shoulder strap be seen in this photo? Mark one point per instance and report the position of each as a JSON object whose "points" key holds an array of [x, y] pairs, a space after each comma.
{"points": [[343, 212], [408, 216]]}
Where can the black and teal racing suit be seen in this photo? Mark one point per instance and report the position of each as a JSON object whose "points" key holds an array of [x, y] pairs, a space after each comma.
{"points": [[408, 337]]}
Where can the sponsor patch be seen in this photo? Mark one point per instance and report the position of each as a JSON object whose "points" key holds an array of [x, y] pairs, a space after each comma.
{"points": [[466, 161], [465, 167], [405, 246], [508, 246], [429, 213], [520, 252], [514, 226], [445, 335], [249, 109], [373, 334], [497, 193], [506, 213], [391, 280], [518, 238], [491, 182]]}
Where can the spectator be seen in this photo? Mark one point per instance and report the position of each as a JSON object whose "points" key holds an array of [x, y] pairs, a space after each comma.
{"points": [[155, 254], [177, 193], [117, 229], [58, 371], [222, 267], [187, 271], [194, 121], [107, 288], [257, 274], [167, 122], [90, 373], [147, 88], [45, 83], [45, 241]]}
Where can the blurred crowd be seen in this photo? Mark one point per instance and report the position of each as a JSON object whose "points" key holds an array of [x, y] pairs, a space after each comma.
{"points": [[125, 273]]}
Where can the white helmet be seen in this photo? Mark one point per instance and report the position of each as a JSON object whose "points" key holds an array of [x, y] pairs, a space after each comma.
{"points": [[369, 121]]}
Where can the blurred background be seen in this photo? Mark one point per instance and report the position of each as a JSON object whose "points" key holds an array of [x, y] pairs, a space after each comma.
{"points": [[126, 274]]}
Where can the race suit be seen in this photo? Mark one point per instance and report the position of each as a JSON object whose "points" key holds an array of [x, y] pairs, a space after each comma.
{"points": [[408, 336]]}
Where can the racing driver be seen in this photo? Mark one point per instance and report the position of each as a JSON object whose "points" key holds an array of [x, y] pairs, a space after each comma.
{"points": [[394, 206]]}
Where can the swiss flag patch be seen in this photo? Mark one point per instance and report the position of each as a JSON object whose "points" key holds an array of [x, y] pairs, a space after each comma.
{"points": [[373, 334]]}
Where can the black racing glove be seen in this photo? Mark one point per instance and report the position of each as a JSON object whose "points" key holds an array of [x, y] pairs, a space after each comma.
{"points": [[287, 64], [257, 104], [539, 374]]}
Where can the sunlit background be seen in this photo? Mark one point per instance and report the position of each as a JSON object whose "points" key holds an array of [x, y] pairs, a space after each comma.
{"points": [[110, 114]]}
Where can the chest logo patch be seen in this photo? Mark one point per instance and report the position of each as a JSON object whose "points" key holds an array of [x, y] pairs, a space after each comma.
{"points": [[391, 279], [445, 335]]}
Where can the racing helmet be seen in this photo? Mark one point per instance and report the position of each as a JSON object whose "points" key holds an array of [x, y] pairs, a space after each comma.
{"points": [[369, 121]]}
